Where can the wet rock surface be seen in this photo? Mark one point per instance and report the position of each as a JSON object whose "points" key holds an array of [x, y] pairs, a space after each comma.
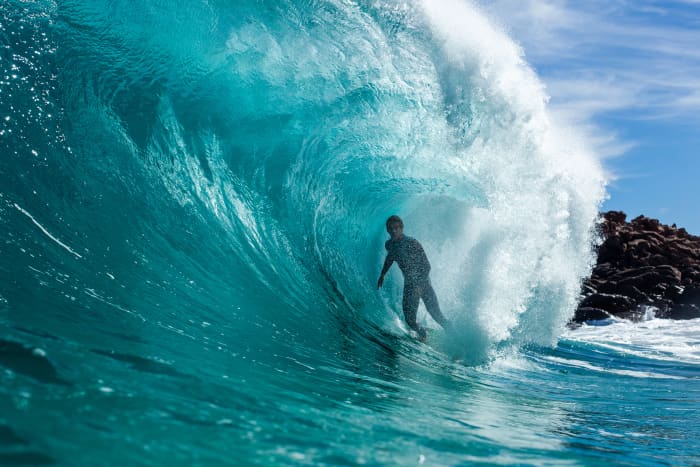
{"points": [[642, 264]]}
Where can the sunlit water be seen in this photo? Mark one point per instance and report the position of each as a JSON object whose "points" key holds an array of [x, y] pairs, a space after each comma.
{"points": [[192, 201]]}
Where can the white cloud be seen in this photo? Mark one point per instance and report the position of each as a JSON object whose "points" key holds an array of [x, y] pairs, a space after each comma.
{"points": [[598, 58], [627, 61]]}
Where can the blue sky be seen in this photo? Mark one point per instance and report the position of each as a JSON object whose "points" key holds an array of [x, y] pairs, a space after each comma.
{"points": [[627, 73]]}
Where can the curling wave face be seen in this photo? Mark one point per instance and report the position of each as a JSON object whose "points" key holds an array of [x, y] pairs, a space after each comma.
{"points": [[256, 151], [198, 194]]}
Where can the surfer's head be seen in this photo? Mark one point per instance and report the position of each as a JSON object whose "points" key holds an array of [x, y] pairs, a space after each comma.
{"points": [[394, 226]]}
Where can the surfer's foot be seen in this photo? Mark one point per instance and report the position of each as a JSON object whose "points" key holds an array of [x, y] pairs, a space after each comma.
{"points": [[422, 335]]}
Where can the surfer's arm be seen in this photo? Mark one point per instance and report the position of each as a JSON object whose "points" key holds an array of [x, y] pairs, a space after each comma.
{"points": [[387, 264], [424, 264]]}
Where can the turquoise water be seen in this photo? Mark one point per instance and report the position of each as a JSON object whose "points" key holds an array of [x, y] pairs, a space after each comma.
{"points": [[192, 201]]}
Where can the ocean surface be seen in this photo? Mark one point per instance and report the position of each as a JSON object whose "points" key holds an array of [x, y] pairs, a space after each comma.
{"points": [[192, 207]]}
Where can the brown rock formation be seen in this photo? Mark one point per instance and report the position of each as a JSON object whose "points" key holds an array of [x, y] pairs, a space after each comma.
{"points": [[642, 263]]}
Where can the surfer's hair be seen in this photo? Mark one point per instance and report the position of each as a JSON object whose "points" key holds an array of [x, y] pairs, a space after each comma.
{"points": [[394, 220]]}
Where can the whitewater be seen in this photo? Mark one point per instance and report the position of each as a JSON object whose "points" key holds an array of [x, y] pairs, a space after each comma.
{"points": [[192, 207]]}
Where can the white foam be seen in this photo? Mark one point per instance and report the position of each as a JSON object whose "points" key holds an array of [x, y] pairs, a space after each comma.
{"points": [[592, 367], [46, 232], [515, 270], [658, 339]]}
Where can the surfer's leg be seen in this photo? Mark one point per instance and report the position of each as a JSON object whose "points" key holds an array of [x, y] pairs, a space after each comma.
{"points": [[432, 305], [411, 297]]}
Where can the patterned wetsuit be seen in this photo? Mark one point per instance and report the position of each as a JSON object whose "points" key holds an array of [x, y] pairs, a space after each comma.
{"points": [[414, 265]]}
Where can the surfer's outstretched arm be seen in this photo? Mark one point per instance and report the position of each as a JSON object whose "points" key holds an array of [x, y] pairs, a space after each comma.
{"points": [[387, 264]]}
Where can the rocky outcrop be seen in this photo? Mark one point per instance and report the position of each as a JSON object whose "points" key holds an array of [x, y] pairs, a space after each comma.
{"points": [[642, 264]]}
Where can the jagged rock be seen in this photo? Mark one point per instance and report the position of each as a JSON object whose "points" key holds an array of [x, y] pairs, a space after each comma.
{"points": [[626, 289], [614, 218], [644, 281], [627, 273], [603, 270], [684, 311], [645, 223], [642, 262], [610, 250], [611, 303], [657, 260], [584, 313], [690, 295], [674, 293], [668, 271], [587, 289]]}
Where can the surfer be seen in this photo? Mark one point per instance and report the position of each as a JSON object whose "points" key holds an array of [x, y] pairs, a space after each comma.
{"points": [[414, 265]]}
